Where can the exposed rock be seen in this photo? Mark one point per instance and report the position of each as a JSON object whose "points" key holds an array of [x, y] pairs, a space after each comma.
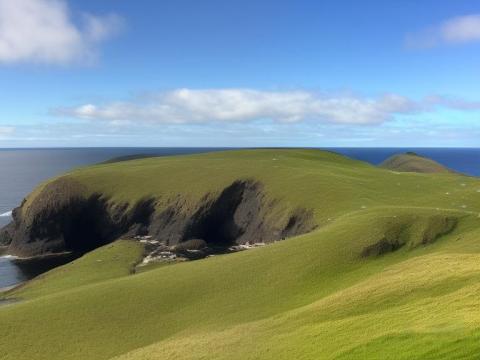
{"points": [[6, 234], [192, 244], [3, 250], [61, 218]]}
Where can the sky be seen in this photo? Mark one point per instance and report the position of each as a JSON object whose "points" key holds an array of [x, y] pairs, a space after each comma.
{"points": [[251, 73]]}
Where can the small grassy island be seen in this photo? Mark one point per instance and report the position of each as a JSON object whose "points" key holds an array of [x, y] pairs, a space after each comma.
{"points": [[344, 260]]}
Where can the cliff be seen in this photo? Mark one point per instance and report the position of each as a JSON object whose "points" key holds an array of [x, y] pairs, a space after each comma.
{"points": [[63, 217]]}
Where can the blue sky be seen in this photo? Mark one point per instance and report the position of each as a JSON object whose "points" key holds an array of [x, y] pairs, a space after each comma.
{"points": [[239, 73]]}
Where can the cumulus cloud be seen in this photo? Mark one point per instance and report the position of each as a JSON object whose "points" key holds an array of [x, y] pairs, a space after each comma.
{"points": [[44, 31], [457, 30], [187, 106]]}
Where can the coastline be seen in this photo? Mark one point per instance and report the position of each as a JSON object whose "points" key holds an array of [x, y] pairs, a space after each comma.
{"points": [[4, 291], [28, 268], [44, 257]]}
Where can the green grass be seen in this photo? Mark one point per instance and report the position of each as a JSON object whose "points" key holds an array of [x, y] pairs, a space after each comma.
{"points": [[330, 184], [310, 297], [413, 163], [108, 262]]}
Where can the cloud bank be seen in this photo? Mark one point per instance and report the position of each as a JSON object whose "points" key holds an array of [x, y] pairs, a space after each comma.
{"points": [[457, 30], [44, 31], [187, 106], [6, 130]]}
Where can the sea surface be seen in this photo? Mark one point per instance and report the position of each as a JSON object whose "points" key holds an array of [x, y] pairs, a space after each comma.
{"points": [[22, 169]]}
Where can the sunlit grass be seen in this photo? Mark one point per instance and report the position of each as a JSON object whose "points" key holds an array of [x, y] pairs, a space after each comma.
{"points": [[311, 297]]}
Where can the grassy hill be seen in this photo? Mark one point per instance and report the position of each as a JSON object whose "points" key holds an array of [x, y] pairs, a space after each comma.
{"points": [[392, 270], [412, 162]]}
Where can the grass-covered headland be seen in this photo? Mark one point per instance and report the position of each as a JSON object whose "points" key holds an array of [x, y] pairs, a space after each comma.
{"points": [[362, 262]]}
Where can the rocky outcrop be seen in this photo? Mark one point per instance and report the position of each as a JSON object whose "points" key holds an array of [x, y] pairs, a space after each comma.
{"points": [[61, 218], [6, 235]]}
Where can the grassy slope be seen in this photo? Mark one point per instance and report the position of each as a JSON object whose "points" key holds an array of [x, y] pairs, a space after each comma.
{"points": [[329, 183], [308, 298], [108, 262], [413, 163]]}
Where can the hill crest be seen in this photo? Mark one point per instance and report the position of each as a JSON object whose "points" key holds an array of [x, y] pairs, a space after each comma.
{"points": [[412, 162]]}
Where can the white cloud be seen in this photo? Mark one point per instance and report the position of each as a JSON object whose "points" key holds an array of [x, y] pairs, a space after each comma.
{"points": [[462, 29], [44, 31], [457, 30], [6, 130], [243, 105]]}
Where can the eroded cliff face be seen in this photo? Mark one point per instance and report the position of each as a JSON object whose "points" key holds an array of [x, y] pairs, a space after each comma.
{"points": [[62, 219]]}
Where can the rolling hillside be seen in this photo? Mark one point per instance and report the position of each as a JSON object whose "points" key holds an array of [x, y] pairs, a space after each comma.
{"points": [[387, 268], [411, 162]]}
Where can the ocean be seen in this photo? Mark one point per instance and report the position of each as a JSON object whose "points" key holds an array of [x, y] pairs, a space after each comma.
{"points": [[22, 169]]}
